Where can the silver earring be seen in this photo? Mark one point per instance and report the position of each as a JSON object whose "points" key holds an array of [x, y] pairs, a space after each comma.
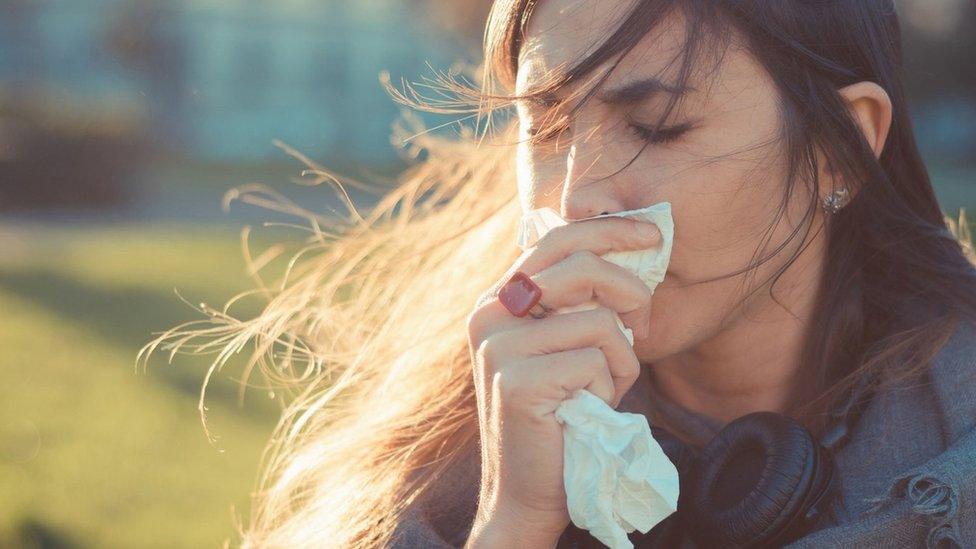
{"points": [[836, 200]]}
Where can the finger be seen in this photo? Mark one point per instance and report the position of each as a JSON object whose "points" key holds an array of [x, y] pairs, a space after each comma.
{"points": [[600, 236], [574, 330], [585, 277], [556, 376]]}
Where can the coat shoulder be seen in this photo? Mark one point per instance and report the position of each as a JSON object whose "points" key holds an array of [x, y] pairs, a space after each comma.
{"points": [[910, 462], [953, 375]]}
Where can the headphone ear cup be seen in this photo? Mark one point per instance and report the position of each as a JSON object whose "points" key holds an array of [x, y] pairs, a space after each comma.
{"points": [[752, 481]]}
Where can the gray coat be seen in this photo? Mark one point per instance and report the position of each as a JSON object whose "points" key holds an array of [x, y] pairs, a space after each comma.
{"points": [[908, 472]]}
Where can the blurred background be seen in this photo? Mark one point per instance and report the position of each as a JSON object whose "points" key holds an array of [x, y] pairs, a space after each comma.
{"points": [[122, 125]]}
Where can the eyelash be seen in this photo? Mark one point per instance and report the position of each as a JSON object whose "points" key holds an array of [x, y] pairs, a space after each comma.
{"points": [[666, 134], [663, 135]]}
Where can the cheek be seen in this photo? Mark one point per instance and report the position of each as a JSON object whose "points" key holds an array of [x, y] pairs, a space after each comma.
{"points": [[719, 222], [723, 207], [732, 183], [717, 232]]}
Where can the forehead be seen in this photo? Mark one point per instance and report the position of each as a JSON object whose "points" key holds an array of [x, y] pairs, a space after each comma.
{"points": [[561, 33]]}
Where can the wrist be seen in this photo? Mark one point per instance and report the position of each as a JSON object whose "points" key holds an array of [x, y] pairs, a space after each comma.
{"points": [[495, 534], [506, 527]]}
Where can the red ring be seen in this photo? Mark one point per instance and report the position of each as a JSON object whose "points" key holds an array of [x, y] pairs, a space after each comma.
{"points": [[519, 294]]}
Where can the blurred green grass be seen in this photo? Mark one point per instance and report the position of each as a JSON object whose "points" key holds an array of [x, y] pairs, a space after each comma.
{"points": [[92, 453]]}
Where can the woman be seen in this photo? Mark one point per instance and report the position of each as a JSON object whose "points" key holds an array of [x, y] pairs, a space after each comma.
{"points": [[811, 274]]}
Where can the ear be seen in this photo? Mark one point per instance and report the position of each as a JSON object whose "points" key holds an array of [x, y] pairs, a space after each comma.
{"points": [[871, 107]]}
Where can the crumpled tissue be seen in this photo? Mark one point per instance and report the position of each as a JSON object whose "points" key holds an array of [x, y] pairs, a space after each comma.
{"points": [[617, 477]]}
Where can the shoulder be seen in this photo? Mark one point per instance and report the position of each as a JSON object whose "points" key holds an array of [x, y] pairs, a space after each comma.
{"points": [[909, 464], [933, 410], [920, 417], [953, 375]]}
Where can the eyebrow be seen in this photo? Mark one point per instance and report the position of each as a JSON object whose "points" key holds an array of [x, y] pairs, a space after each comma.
{"points": [[636, 91]]}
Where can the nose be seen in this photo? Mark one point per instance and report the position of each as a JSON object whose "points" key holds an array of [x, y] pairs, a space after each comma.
{"points": [[583, 196]]}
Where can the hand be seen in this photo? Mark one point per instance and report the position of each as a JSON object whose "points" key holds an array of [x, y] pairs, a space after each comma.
{"points": [[525, 367]]}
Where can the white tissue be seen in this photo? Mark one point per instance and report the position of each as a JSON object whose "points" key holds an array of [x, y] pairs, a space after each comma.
{"points": [[617, 477]]}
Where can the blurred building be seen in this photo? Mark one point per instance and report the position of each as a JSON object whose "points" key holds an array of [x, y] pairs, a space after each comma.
{"points": [[220, 79]]}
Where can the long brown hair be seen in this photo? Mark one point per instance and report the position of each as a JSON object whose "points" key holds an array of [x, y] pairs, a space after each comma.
{"points": [[366, 332]]}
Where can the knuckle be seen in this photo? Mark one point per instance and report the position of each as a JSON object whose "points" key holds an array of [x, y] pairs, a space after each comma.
{"points": [[509, 386], [487, 353], [476, 323], [632, 372], [478, 364]]}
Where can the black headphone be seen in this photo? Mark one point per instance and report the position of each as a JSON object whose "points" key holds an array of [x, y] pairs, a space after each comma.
{"points": [[762, 481]]}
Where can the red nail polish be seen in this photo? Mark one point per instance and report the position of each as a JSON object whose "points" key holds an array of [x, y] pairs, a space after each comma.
{"points": [[519, 294]]}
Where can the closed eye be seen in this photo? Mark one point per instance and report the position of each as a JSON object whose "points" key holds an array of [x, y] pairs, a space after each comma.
{"points": [[664, 134]]}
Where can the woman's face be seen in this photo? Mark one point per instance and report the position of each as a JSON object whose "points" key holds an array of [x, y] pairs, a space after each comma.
{"points": [[718, 161]]}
